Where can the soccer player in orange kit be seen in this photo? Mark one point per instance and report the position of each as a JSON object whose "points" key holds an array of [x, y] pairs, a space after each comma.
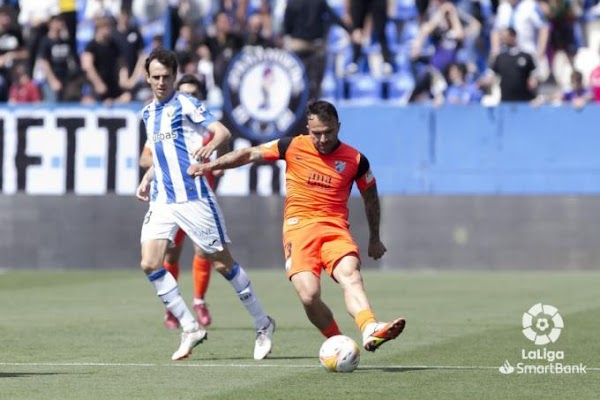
{"points": [[320, 173]]}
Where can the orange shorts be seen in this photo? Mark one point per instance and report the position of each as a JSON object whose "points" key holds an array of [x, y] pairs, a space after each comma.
{"points": [[316, 247]]}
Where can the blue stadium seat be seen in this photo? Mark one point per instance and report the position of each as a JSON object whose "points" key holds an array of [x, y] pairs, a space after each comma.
{"points": [[362, 87], [405, 10], [331, 87], [337, 6], [337, 39], [398, 86]]}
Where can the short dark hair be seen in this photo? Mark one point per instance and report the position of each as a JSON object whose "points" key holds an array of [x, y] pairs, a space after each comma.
{"points": [[166, 57], [189, 79], [322, 109]]}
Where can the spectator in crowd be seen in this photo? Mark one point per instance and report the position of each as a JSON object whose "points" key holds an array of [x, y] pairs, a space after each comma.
{"points": [[562, 41], [205, 72], [594, 83], [68, 11], [590, 20], [131, 43], [357, 12], [254, 35], [23, 89], [306, 24], [58, 64], [12, 48], [532, 31], [33, 17], [445, 30], [223, 44], [186, 40], [237, 11], [104, 65], [460, 90], [95, 9], [179, 13], [515, 70], [577, 95]]}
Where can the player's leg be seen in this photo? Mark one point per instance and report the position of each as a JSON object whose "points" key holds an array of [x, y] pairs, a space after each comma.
{"points": [[303, 266], [201, 270], [157, 232], [203, 222], [239, 280], [308, 289], [171, 264], [341, 257], [358, 14]]}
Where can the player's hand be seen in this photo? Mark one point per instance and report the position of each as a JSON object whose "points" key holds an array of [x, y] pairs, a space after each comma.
{"points": [[143, 191], [218, 172], [376, 249], [204, 152], [196, 169]]}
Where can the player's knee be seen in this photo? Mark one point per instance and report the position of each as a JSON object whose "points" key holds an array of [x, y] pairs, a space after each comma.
{"points": [[222, 262], [148, 266], [222, 268], [309, 298], [349, 276]]}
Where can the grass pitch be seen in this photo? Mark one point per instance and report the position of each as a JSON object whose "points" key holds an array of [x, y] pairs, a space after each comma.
{"points": [[99, 335]]}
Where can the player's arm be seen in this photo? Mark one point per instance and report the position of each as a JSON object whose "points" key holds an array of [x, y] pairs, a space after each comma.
{"points": [[230, 160], [146, 157], [368, 190], [221, 136], [143, 189]]}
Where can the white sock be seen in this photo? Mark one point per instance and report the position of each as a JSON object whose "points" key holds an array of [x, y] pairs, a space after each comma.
{"points": [[167, 289], [240, 282]]}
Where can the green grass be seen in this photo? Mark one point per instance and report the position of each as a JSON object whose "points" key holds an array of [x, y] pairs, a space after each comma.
{"points": [[99, 335]]}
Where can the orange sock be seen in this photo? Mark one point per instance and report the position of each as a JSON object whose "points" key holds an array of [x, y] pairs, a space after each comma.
{"points": [[172, 268], [201, 274], [363, 318], [331, 330]]}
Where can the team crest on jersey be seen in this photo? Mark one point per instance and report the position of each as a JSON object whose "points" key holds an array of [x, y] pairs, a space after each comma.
{"points": [[340, 166], [265, 93], [197, 115], [169, 111]]}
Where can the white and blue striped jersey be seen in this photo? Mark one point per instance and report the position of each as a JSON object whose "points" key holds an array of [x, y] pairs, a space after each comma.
{"points": [[174, 131]]}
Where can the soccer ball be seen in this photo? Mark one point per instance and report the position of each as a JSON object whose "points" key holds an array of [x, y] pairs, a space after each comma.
{"points": [[339, 354]]}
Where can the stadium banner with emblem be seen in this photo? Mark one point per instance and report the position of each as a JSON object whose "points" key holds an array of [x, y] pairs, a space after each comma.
{"points": [[265, 92]]}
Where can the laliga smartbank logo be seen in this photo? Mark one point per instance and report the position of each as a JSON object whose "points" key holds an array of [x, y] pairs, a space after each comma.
{"points": [[542, 325]]}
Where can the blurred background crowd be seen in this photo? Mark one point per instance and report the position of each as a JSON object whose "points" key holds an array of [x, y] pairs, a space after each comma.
{"points": [[407, 51]]}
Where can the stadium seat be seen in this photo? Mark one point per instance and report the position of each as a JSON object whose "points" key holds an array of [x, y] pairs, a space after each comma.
{"points": [[398, 86], [362, 86], [331, 87]]}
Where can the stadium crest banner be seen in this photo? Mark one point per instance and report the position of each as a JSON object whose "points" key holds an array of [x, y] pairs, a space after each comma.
{"points": [[265, 93]]}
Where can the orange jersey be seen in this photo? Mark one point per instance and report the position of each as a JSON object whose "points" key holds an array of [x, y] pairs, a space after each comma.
{"points": [[318, 185]]}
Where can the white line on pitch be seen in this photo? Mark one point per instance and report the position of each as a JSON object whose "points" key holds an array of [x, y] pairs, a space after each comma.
{"points": [[251, 365]]}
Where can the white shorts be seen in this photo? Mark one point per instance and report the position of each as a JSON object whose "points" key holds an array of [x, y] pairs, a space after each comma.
{"points": [[200, 219]]}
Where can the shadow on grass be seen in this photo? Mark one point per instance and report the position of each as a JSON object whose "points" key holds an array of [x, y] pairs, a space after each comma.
{"points": [[396, 369], [28, 374], [246, 358]]}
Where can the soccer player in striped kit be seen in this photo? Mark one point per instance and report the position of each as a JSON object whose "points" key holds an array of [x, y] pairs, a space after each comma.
{"points": [[174, 122], [201, 267]]}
